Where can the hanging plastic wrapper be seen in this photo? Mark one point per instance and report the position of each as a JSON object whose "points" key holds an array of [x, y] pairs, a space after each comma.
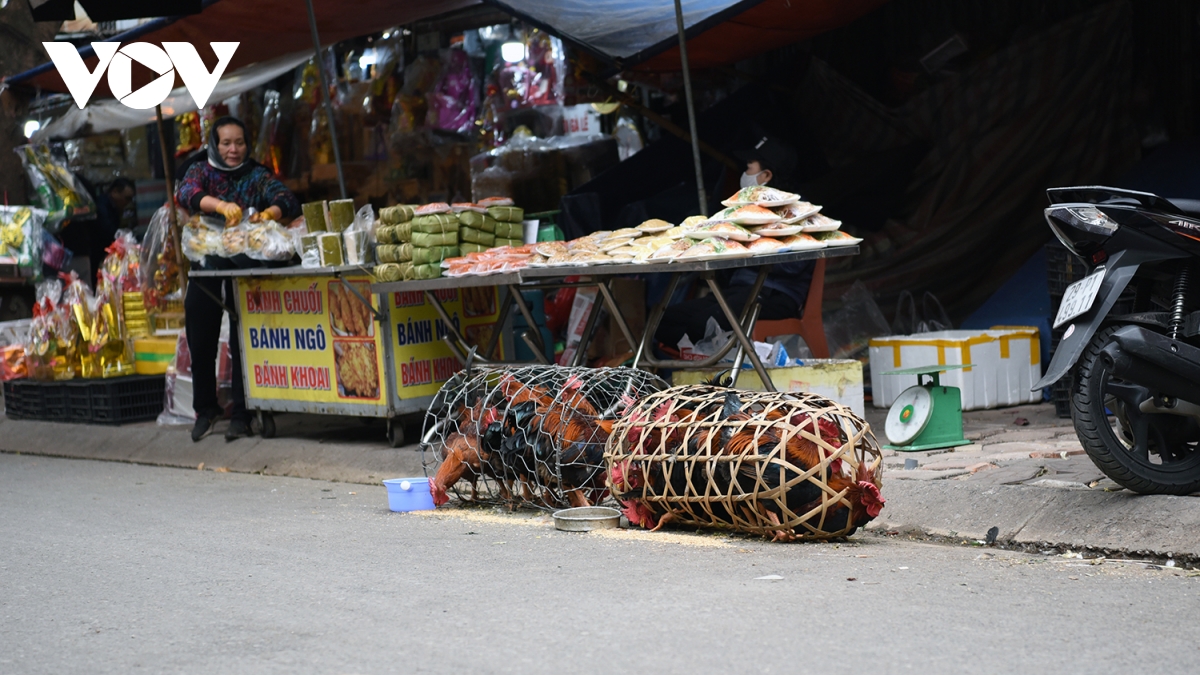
{"points": [[56, 189], [54, 254], [267, 149], [452, 100], [21, 236], [158, 268]]}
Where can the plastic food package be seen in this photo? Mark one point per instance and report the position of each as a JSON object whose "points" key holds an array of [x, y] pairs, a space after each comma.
{"points": [[56, 189], [268, 240], [427, 239], [341, 214], [329, 248], [473, 236], [233, 239], [478, 221], [200, 238], [434, 223], [452, 100], [436, 254], [394, 215], [508, 214], [21, 234]]}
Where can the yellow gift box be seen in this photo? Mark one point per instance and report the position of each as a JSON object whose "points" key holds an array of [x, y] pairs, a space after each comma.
{"points": [[153, 355]]}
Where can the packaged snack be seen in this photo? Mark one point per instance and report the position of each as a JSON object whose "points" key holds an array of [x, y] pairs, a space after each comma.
{"points": [[233, 239], [508, 214], [341, 214], [761, 195], [436, 207], [836, 238], [329, 249], [389, 272], [314, 216], [21, 235], [495, 201], [473, 236], [159, 264], [820, 223], [767, 245], [746, 215], [394, 215], [802, 242], [463, 207], [477, 220], [653, 226], [795, 212], [429, 239], [201, 237], [436, 254], [723, 230], [268, 240], [436, 222]]}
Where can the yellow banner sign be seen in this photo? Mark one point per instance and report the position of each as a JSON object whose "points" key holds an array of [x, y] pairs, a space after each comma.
{"points": [[310, 339], [423, 361]]}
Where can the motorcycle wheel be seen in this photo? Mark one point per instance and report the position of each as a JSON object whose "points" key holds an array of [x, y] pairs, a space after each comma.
{"points": [[1148, 453]]}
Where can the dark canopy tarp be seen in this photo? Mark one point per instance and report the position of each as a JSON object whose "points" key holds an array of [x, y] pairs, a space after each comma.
{"points": [[720, 32], [266, 29]]}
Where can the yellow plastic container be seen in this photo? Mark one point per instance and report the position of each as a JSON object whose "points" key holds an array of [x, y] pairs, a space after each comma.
{"points": [[153, 355]]}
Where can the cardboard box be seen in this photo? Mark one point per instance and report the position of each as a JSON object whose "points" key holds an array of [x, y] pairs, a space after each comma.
{"points": [[838, 379]]}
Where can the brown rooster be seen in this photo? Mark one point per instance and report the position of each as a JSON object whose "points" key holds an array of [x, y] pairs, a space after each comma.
{"points": [[463, 456]]}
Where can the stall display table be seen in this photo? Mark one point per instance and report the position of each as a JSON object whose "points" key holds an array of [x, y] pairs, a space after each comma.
{"points": [[601, 276]]}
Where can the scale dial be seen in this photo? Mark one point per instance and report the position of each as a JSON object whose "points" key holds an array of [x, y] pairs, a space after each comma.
{"points": [[909, 415]]}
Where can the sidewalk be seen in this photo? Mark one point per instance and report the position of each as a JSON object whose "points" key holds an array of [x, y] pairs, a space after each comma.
{"points": [[1032, 481], [1026, 474]]}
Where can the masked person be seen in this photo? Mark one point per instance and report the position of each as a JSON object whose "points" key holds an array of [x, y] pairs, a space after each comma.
{"points": [[229, 183], [785, 289]]}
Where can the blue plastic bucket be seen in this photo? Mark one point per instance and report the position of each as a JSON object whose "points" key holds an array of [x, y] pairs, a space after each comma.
{"points": [[409, 494]]}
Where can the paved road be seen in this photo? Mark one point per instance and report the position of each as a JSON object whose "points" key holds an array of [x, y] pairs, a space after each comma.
{"points": [[108, 567]]}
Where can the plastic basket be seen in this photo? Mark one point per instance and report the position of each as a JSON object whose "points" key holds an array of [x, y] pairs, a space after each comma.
{"points": [[121, 400]]}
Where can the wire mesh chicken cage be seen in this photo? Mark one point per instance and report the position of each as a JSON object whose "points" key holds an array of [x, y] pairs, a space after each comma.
{"points": [[527, 435], [792, 466]]}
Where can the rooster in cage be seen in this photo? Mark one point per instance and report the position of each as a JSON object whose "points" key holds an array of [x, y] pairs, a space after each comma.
{"points": [[631, 479], [552, 441], [462, 454]]}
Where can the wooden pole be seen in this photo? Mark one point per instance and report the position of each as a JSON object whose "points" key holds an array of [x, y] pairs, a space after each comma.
{"points": [[691, 109], [337, 156], [172, 217]]}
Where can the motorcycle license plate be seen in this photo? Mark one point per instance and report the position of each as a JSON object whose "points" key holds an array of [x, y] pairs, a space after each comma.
{"points": [[1079, 297]]}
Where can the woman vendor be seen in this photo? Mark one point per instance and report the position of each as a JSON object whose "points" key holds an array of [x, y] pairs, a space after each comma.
{"points": [[228, 184]]}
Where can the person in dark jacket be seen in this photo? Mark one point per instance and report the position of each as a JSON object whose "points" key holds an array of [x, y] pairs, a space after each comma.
{"points": [[229, 183], [786, 287]]}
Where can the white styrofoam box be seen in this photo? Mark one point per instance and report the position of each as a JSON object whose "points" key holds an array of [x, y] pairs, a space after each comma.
{"points": [[1006, 361], [838, 379]]}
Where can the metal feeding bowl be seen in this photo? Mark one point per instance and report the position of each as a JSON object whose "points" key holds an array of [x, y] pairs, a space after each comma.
{"points": [[586, 519]]}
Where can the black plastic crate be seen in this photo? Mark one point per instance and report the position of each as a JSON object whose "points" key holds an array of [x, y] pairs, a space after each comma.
{"points": [[27, 399], [79, 398], [121, 400]]}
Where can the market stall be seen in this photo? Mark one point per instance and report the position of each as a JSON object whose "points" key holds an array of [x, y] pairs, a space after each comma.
{"points": [[317, 340]]}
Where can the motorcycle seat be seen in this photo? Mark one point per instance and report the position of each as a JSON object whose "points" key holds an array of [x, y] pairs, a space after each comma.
{"points": [[1188, 207]]}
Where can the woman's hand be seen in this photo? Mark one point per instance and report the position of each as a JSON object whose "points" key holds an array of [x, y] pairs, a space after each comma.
{"points": [[270, 213], [232, 213]]}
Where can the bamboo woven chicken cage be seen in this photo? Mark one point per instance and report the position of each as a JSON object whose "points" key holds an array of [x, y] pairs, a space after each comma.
{"points": [[787, 465], [529, 435]]}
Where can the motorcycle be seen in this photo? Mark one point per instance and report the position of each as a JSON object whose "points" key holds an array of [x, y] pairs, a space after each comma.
{"points": [[1135, 377]]}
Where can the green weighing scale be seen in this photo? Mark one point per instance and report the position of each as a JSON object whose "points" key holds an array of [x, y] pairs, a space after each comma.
{"points": [[927, 416]]}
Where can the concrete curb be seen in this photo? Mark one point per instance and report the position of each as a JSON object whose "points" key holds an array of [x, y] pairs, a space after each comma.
{"points": [[1026, 515], [346, 462], [1151, 525]]}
